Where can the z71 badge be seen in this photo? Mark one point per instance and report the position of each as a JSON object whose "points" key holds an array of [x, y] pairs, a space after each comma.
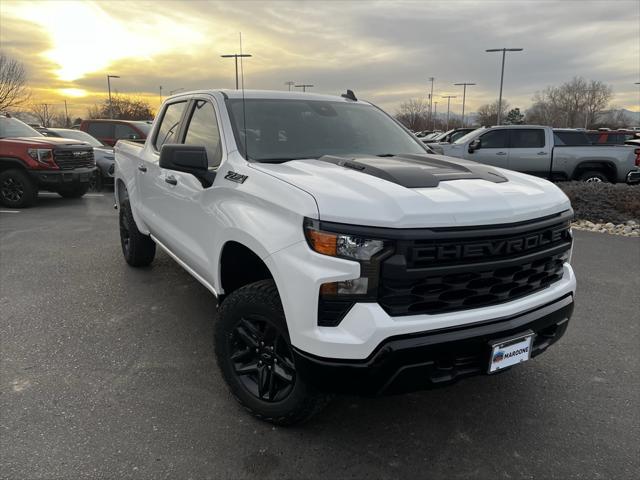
{"points": [[235, 177]]}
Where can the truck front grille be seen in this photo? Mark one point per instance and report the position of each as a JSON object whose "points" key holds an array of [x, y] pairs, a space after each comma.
{"points": [[69, 159], [444, 275]]}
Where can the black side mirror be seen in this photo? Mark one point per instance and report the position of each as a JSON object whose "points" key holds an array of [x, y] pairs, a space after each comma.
{"points": [[474, 145], [188, 159]]}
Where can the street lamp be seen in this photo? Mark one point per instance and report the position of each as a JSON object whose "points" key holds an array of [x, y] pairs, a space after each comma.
{"points": [[431, 79], [504, 51], [435, 114], [464, 96], [235, 56], [109, 77], [304, 86], [448, 97], [290, 84]]}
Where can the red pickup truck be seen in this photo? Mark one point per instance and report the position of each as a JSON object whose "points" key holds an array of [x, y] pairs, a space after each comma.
{"points": [[29, 162]]}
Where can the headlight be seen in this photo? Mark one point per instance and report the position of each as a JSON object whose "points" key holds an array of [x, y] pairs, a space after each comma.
{"points": [[336, 298], [42, 155], [341, 245]]}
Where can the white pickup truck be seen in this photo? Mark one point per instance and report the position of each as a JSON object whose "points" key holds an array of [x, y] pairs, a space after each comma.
{"points": [[555, 154], [345, 257]]}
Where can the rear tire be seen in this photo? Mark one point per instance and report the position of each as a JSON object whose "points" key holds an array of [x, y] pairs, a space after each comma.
{"points": [[256, 359], [76, 191], [17, 190], [138, 249], [593, 176]]}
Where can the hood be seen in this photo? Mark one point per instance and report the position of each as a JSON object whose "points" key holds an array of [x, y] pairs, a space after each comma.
{"points": [[48, 141], [400, 194]]}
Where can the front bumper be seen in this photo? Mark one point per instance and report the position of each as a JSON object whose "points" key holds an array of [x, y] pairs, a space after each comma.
{"points": [[633, 176], [53, 179], [435, 358]]}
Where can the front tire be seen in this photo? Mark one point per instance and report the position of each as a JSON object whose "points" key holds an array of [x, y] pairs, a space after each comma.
{"points": [[256, 359], [16, 189], [138, 249]]}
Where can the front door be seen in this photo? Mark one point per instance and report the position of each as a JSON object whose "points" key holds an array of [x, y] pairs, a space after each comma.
{"points": [[528, 151], [493, 149]]}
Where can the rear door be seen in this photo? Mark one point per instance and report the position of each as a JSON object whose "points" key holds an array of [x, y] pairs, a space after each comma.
{"points": [[151, 177], [529, 152], [103, 131], [493, 148]]}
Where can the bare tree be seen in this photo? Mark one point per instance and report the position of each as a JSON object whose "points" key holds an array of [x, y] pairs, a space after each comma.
{"points": [[13, 80], [414, 114], [124, 108], [488, 114], [44, 112], [576, 103]]}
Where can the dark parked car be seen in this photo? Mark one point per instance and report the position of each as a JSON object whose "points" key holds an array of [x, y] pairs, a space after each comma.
{"points": [[448, 136], [110, 131]]}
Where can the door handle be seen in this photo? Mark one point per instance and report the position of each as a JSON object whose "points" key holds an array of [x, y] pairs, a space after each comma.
{"points": [[142, 168], [542, 153], [171, 180], [501, 153]]}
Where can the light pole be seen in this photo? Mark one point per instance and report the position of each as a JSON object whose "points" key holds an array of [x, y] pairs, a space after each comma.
{"points": [[290, 84], [304, 86], [431, 79], [504, 51], [109, 77], [160, 94], [435, 114], [464, 96], [235, 56], [448, 97]]}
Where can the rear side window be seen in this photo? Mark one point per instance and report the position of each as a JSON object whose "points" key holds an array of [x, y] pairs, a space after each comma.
{"points": [[100, 129], [527, 138], [169, 125], [203, 131], [571, 139], [494, 139], [125, 131]]}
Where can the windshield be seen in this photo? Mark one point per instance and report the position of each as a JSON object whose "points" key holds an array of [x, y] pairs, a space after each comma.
{"points": [[12, 127], [78, 135], [469, 136], [281, 130]]}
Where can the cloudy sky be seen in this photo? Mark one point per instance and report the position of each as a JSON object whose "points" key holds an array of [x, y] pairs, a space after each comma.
{"points": [[384, 51]]}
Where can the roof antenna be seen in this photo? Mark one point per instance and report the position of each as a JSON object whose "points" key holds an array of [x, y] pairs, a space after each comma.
{"points": [[349, 95], [244, 110]]}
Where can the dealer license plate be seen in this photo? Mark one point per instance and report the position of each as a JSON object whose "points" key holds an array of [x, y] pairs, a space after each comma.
{"points": [[508, 352]]}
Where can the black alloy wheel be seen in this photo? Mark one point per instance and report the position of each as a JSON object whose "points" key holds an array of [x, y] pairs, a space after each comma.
{"points": [[12, 190], [262, 359]]}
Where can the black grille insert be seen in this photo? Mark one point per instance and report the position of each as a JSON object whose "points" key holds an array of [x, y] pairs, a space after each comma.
{"points": [[74, 158], [439, 275]]}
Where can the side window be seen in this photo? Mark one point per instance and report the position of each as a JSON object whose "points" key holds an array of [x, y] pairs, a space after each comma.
{"points": [[527, 138], [494, 139], [203, 130], [125, 131], [170, 124], [101, 129]]}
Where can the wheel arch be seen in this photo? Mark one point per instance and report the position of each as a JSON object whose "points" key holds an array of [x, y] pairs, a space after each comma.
{"points": [[8, 163], [240, 265], [607, 167]]}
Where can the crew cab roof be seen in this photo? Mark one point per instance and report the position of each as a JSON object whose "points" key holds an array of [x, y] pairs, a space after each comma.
{"points": [[271, 95]]}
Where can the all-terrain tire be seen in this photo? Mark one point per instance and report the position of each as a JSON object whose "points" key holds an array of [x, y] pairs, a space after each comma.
{"points": [[76, 191], [259, 302], [138, 249], [17, 190]]}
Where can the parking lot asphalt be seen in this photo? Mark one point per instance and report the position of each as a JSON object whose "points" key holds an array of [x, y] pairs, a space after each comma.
{"points": [[108, 372]]}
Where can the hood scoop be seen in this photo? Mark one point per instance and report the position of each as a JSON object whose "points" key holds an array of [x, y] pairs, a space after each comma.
{"points": [[416, 171]]}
